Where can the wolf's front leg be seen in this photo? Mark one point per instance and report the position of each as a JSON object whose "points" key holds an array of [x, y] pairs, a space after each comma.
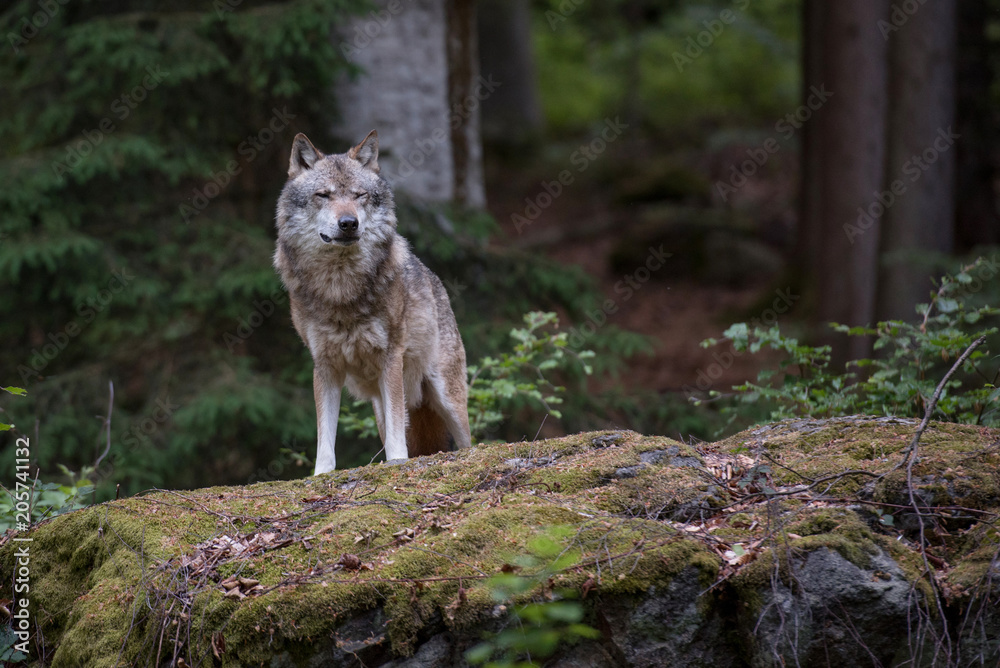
{"points": [[390, 386], [379, 411], [326, 390]]}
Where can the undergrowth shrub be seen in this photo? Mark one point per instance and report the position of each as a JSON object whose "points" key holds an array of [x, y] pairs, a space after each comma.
{"points": [[910, 360]]}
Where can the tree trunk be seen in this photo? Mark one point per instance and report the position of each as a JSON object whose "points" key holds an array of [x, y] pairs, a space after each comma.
{"points": [[465, 95], [514, 112], [852, 144], [977, 222], [920, 166], [808, 248], [418, 61]]}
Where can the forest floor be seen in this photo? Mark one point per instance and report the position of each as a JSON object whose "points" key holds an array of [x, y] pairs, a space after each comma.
{"points": [[584, 226]]}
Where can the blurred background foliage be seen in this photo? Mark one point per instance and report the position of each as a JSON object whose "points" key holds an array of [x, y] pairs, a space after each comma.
{"points": [[608, 57], [145, 258]]}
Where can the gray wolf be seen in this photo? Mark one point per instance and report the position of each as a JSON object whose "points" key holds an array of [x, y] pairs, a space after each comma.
{"points": [[372, 315]]}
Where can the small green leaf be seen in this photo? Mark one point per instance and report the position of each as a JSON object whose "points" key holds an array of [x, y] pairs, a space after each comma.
{"points": [[480, 653], [564, 611], [544, 547], [947, 305], [15, 390], [583, 631]]}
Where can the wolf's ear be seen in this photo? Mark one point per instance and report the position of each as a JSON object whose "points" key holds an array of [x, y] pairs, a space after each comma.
{"points": [[304, 155], [367, 152]]}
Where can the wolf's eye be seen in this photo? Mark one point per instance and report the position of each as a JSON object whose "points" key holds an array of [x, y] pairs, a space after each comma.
{"points": [[359, 194], [324, 194]]}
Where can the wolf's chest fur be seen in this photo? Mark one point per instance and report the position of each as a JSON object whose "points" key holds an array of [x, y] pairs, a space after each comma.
{"points": [[359, 352], [339, 309]]}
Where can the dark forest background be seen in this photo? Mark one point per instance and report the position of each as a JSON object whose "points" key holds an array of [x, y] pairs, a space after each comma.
{"points": [[834, 155]]}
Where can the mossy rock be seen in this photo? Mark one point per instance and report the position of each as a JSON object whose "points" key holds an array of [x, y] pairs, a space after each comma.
{"points": [[681, 555]]}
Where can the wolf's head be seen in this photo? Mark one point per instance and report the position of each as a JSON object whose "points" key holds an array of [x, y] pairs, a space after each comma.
{"points": [[335, 201]]}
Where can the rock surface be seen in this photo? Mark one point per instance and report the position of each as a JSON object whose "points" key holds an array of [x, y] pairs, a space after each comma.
{"points": [[795, 543]]}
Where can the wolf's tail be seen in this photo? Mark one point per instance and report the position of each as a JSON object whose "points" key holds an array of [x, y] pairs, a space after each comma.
{"points": [[426, 432]]}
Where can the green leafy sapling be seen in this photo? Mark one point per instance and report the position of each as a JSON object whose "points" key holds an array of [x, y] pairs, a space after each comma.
{"points": [[498, 382], [540, 625]]}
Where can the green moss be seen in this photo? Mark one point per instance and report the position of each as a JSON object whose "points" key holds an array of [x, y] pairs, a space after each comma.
{"points": [[654, 492], [837, 529], [81, 564], [755, 579], [975, 574], [102, 621], [660, 565], [979, 489]]}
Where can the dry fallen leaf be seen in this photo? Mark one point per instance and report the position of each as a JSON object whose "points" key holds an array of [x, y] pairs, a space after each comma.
{"points": [[350, 562], [218, 644]]}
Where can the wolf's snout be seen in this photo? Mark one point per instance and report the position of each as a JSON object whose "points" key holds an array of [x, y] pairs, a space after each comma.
{"points": [[345, 233], [348, 224]]}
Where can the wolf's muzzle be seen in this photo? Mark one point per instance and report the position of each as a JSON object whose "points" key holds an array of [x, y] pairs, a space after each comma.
{"points": [[347, 231]]}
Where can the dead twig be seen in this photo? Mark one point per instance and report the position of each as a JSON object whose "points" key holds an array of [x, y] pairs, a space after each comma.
{"points": [[107, 422], [910, 451], [910, 457]]}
